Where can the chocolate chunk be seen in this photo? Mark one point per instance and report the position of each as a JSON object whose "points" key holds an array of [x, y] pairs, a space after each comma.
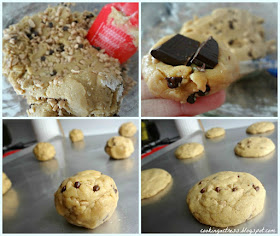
{"points": [[63, 189], [89, 16], [77, 184], [217, 189], [51, 52], [238, 176], [97, 48], [61, 47], [50, 24], [176, 51], [191, 99], [230, 42], [43, 58], [65, 28], [257, 188], [203, 190], [173, 82], [29, 36], [116, 115], [115, 190], [81, 45], [230, 25], [200, 182], [95, 188], [76, 21], [207, 53], [201, 93], [53, 73], [250, 54], [234, 189]]}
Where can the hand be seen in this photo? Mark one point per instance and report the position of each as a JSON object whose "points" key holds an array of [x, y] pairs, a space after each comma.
{"points": [[152, 106]]}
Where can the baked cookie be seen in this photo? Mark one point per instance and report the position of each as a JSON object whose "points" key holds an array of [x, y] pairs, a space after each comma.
{"points": [[44, 151], [183, 83], [127, 129], [153, 181], [226, 25], [215, 132], [260, 128], [6, 182], [226, 199], [48, 60], [87, 199], [119, 147], [76, 135], [189, 150], [254, 147]]}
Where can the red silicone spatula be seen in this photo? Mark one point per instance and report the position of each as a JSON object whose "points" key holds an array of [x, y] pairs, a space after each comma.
{"points": [[111, 37]]}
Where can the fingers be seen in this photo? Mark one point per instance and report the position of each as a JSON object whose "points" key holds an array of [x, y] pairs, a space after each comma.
{"points": [[163, 107], [145, 93]]}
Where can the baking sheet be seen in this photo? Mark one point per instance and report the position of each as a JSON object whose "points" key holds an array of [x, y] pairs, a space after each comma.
{"points": [[29, 206], [254, 95], [15, 105], [169, 213]]}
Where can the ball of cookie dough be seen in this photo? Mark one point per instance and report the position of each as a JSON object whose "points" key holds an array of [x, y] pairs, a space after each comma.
{"points": [[76, 135], [44, 151], [6, 182], [189, 150], [215, 132], [254, 147], [194, 82], [87, 199], [260, 128], [127, 129], [226, 199], [119, 147], [153, 181]]}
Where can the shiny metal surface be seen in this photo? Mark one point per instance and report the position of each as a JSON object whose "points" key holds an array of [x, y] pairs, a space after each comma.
{"points": [[169, 213], [29, 206]]}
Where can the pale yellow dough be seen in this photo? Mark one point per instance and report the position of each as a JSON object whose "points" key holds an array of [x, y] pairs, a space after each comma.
{"points": [[189, 150], [153, 181], [260, 128], [226, 199], [6, 183], [87, 199], [254, 147], [215, 132], [119, 147], [127, 129], [76, 135], [44, 151]]}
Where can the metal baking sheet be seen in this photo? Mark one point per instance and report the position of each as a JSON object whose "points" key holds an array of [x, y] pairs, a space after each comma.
{"points": [[14, 105], [169, 213], [29, 206]]}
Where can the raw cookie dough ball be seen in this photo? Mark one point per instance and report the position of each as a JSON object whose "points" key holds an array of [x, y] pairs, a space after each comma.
{"points": [[76, 135], [227, 25], [189, 150], [215, 132], [87, 199], [7, 184], [127, 129], [44, 151], [254, 147], [220, 77], [226, 199], [153, 181], [260, 128], [119, 147]]}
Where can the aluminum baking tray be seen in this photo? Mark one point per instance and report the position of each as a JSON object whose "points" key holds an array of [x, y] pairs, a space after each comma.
{"points": [[29, 206], [169, 213]]}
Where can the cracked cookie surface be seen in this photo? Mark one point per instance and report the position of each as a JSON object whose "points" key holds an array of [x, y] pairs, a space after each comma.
{"points": [[189, 150], [260, 128], [87, 199], [226, 199]]}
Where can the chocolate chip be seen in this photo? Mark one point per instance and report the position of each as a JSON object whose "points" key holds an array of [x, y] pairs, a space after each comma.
{"points": [[203, 190], [35, 33], [201, 93], [89, 16], [257, 188], [76, 21], [234, 189], [176, 51], [230, 42], [61, 47], [29, 36], [200, 182], [77, 184], [217, 189], [81, 45], [50, 25], [65, 28], [230, 25], [43, 58], [228, 57], [115, 190], [53, 73], [116, 115], [173, 82], [95, 188], [250, 54], [191, 99], [97, 48], [51, 52], [63, 189], [238, 176]]}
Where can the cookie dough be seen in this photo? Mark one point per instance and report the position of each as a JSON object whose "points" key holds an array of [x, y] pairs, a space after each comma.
{"points": [[76, 135], [44, 151], [87, 199], [127, 129], [7, 184], [241, 31], [48, 60], [215, 132], [153, 181], [119, 147], [226, 199], [254, 147], [194, 82], [260, 128], [189, 150]]}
